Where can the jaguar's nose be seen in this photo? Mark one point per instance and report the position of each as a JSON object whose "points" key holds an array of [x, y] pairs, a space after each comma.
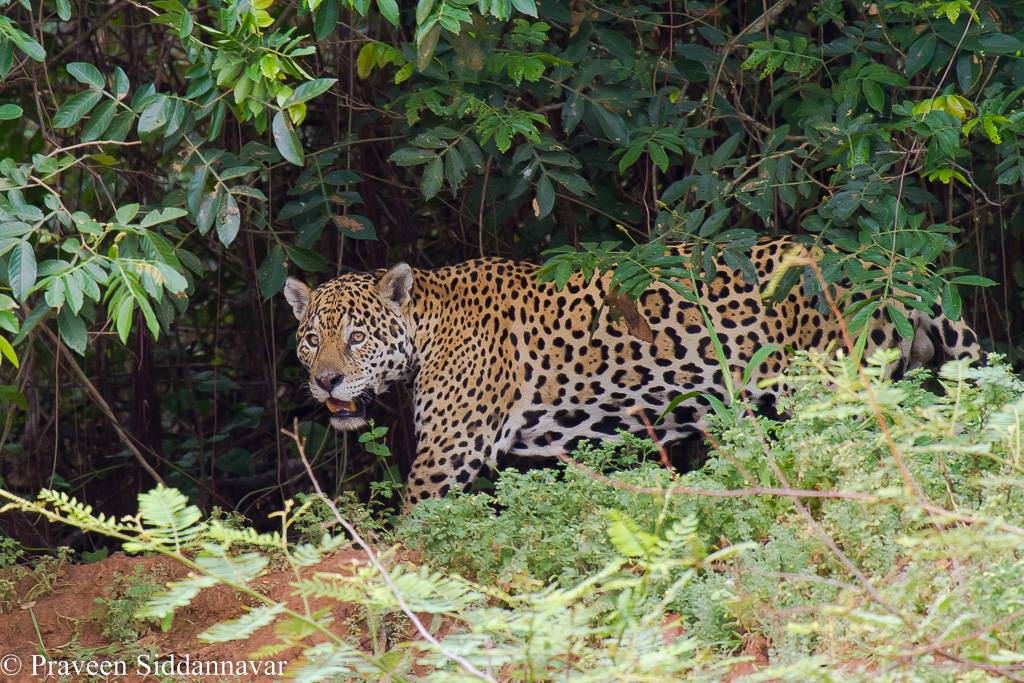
{"points": [[328, 380]]}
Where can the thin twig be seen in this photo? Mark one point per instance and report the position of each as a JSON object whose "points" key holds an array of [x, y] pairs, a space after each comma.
{"points": [[662, 454], [102, 404], [94, 143], [945, 644], [715, 493]]}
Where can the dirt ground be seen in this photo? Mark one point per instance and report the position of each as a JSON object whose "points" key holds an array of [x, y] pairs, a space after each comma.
{"points": [[65, 622]]}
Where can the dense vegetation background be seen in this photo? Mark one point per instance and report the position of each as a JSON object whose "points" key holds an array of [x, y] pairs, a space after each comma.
{"points": [[166, 164]]}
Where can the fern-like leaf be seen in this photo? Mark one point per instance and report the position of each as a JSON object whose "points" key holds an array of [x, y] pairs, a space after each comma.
{"points": [[178, 594], [243, 626], [169, 520], [628, 538], [329, 661]]}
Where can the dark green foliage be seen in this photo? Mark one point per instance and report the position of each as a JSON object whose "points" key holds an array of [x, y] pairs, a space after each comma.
{"points": [[127, 594], [550, 525]]}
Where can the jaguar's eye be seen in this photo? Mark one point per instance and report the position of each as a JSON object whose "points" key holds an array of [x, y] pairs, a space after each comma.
{"points": [[313, 339], [356, 338]]}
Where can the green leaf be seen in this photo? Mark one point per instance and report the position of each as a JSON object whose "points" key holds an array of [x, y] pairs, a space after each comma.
{"points": [[613, 125], [272, 272], [228, 220], [306, 259], [72, 331], [6, 58], [725, 150], [389, 10], [54, 293], [573, 182], [951, 303], [972, 281], [873, 94], [99, 121], [903, 325], [545, 197], [426, 43], [209, 209], [29, 46], [197, 186], [758, 357], [237, 172], [64, 9], [432, 178], [658, 156], [423, 8], [356, 226], [75, 107], [36, 316], [9, 112], [1000, 44], [630, 156], [7, 351], [126, 213], [121, 126], [326, 19], [170, 518], [676, 401], [178, 594], [86, 74], [149, 316], [287, 141], [309, 90], [411, 156], [714, 222], [527, 7], [73, 295], [158, 216], [121, 83], [155, 116], [21, 269], [454, 169], [123, 318]]}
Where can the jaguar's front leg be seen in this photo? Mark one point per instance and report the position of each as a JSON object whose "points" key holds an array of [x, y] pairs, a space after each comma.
{"points": [[457, 433], [436, 471]]}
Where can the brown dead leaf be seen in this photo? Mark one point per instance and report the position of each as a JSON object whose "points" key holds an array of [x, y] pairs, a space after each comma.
{"points": [[636, 323], [349, 225]]}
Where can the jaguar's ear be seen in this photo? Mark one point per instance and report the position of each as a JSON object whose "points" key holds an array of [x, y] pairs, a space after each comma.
{"points": [[396, 284], [297, 293]]}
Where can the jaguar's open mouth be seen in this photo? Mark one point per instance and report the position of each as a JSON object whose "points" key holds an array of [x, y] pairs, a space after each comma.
{"points": [[351, 414], [344, 408]]}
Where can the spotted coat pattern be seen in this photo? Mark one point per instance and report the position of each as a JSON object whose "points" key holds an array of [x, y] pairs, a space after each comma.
{"points": [[501, 363]]}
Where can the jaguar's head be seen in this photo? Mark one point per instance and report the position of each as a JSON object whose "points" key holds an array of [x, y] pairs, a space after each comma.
{"points": [[353, 339]]}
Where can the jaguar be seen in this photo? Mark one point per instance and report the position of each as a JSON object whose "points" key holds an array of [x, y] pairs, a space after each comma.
{"points": [[502, 363]]}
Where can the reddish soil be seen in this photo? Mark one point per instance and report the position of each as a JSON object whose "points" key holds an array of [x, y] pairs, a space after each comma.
{"points": [[66, 622]]}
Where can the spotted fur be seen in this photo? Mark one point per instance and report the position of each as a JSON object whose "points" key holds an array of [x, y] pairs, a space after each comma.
{"points": [[501, 363]]}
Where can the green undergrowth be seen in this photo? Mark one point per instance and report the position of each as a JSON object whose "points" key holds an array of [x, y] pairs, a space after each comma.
{"points": [[875, 534], [940, 576]]}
